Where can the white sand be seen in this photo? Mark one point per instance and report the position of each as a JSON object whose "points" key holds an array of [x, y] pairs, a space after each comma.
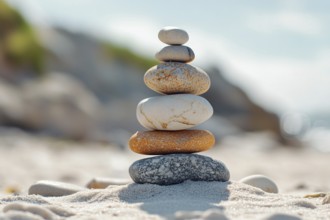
{"points": [[26, 159], [189, 200]]}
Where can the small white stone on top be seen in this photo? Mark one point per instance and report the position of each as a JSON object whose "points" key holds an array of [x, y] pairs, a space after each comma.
{"points": [[173, 36]]}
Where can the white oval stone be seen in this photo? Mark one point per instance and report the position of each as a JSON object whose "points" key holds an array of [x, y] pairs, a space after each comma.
{"points": [[261, 182], [173, 112], [173, 36], [176, 53], [53, 188], [174, 77]]}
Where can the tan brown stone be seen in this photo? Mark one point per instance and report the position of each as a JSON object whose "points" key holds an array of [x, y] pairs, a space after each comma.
{"points": [[104, 182], [168, 142], [176, 77]]}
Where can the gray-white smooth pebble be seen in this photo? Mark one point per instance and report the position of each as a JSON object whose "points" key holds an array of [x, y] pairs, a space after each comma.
{"points": [[54, 188], [262, 182], [173, 36], [176, 53], [176, 168]]}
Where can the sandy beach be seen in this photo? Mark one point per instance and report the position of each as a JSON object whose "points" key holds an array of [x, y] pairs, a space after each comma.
{"points": [[27, 159], [88, 95]]}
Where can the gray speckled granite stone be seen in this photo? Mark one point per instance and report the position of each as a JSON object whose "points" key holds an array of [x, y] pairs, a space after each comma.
{"points": [[176, 168]]}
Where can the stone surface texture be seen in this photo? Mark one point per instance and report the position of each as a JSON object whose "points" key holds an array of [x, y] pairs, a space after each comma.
{"points": [[173, 112], [169, 142], [176, 168], [176, 53], [53, 188], [175, 77], [173, 36]]}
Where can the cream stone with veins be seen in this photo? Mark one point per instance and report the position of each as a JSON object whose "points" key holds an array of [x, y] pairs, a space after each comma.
{"points": [[173, 112]]}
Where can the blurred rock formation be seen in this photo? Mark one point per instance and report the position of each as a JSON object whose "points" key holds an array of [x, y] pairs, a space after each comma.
{"points": [[21, 54], [91, 89], [232, 103]]}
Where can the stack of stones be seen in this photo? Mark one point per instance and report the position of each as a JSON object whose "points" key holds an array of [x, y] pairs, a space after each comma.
{"points": [[168, 117]]}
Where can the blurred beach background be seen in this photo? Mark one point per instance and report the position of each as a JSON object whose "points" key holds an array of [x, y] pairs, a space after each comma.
{"points": [[73, 70]]}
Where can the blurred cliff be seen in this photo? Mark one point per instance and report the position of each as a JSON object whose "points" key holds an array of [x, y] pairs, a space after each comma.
{"points": [[70, 85]]}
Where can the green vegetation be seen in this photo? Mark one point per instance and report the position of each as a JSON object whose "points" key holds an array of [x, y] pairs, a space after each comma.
{"points": [[19, 45], [125, 54]]}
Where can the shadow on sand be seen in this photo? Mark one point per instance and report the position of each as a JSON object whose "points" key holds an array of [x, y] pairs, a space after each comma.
{"points": [[186, 197]]}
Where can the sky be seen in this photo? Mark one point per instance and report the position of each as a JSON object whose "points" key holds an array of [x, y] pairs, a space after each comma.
{"points": [[278, 51]]}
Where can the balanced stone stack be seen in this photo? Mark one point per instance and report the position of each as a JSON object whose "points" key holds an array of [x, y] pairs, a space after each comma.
{"points": [[168, 117]]}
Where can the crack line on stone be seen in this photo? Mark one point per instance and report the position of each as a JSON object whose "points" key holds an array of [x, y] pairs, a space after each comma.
{"points": [[183, 120], [146, 118]]}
